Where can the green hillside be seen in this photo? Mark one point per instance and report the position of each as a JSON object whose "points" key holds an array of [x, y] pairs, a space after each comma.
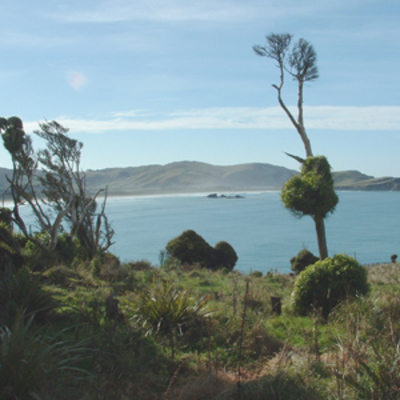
{"points": [[192, 177], [355, 180], [186, 176]]}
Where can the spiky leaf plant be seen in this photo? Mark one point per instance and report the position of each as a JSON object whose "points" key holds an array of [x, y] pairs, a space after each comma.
{"points": [[35, 367], [166, 310]]}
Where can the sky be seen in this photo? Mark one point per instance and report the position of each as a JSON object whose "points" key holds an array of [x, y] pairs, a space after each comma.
{"points": [[143, 82]]}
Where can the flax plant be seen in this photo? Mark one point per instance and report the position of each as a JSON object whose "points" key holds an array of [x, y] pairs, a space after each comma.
{"points": [[33, 366], [168, 311]]}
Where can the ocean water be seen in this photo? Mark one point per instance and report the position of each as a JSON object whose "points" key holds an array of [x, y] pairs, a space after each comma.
{"points": [[264, 234]]}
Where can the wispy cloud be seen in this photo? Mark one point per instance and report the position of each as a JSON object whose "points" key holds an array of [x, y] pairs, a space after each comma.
{"points": [[171, 11], [206, 10], [12, 38], [131, 113], [384, 118]]}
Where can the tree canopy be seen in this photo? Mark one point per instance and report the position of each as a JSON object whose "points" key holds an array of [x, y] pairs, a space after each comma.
{"points": [[52, 183], [312, 191]]}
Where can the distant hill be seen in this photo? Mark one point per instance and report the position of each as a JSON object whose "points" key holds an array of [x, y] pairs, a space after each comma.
{"points": [[189, 177], [192, 177], [355, 180]]}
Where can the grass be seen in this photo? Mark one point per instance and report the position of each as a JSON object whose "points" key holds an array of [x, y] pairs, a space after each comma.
{"points": [[189, 333]]}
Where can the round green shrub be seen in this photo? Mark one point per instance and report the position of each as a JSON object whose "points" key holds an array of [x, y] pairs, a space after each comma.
{"points": [[225, 256], [312, 192], [303, 259], [324, 284], [191, 248]]}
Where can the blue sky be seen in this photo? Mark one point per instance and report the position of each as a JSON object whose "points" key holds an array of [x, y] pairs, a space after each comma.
{"points": [[155, 81]]}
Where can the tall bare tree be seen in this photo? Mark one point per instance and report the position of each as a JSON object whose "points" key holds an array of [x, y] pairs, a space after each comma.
{"points": [[299, 61]]}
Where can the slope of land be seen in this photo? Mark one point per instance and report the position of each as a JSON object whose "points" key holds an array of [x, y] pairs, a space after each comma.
{"points": [[180, 177], [192, 177], [354, 180]]}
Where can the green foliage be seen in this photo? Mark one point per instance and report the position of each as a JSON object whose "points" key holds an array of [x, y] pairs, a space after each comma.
{"points": [[60, 275], [312, 191], [10, 254], [225, 256], [124, 351], [327, 282], [107, 266], [67, 248], [23, 292], [377, 375], [303, 259], [53, 176], [6, 217], [372, 370], [32, 367], [13, 135], [166, 310], [190, 248], [39, 258]]}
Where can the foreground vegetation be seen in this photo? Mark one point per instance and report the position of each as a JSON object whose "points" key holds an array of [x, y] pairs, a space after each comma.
{"points": [[100, 329]]}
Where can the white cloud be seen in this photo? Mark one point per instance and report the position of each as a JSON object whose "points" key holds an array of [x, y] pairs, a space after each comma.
{"points": [[374, 118]]}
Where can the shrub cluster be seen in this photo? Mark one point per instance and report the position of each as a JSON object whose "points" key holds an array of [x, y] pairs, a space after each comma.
{"points": [[191, 248], [323, 285], [303, 259]]}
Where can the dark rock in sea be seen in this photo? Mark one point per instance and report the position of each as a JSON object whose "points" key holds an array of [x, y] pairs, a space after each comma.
{"points": [[224, 196]]}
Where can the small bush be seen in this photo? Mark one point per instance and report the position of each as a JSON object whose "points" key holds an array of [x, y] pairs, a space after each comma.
{"points": [[303, 259], [107, 267], [190, 248], [256, 274], [327, 282], [225, 255], [141, 265]]}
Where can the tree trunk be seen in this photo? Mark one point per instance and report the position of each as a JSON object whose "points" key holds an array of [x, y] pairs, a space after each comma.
{"points": [[321, 236]]}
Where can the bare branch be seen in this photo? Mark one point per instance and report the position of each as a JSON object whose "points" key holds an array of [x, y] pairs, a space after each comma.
{"points": [[300, 61]]}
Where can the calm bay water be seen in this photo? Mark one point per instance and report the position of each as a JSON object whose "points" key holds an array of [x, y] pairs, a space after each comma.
{"points": [[264, 234]]}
